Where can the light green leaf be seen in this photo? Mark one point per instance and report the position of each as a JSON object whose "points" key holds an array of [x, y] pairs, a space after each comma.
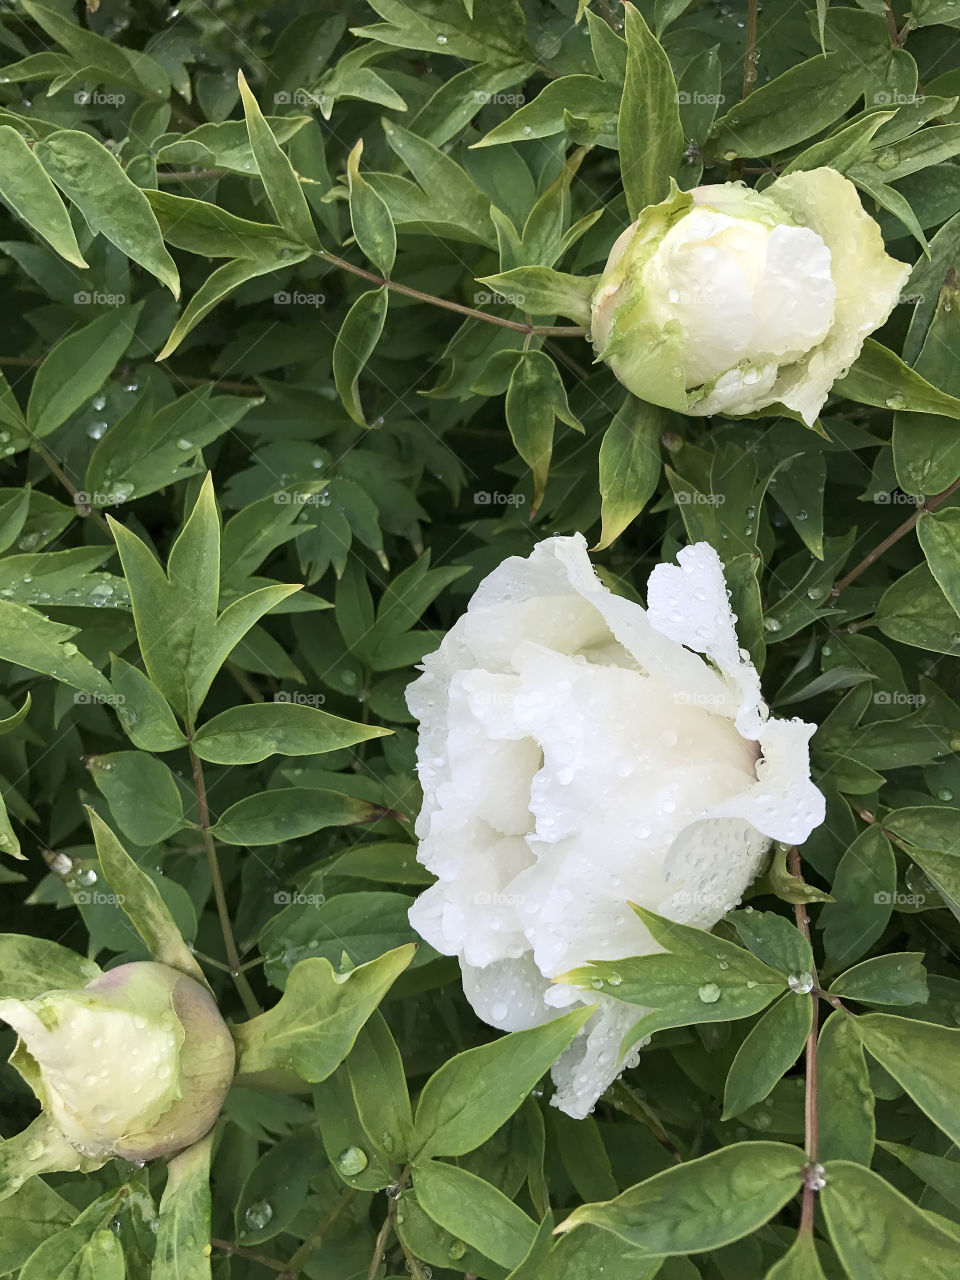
{"points": [[248, 734], [310, 1031], [474, 1211], [474, 1093], [143, 796], [286, 813], [30, 640], [40, 1148], [89, 176], [142, 709], [939, 536], [183, 1230], [702, 1204], [536, 398], [375, 1071], [140, 899], [649, 130], [30, 966], [28, 1218], [896, 979], [923, 1058], [541, 291], [372, 224], [845, 1099], [926, 447], [25, 187], [770, 1050], [881, 378], [914, 610], [629, 466], [281, 183], [133, 68], [800, 1262]]}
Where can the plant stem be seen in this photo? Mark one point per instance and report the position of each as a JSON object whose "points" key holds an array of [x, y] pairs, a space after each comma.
{"points": [[237, 1251], [537, 330], [895, 38], [379, 1247], [750, 54], [244, 989], [311, 1242], [901, 531], [811, 1119]]}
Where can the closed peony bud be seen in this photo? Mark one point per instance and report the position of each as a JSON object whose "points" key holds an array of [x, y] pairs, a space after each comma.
{"points": [[727, 300], [578, 754], [136, 1064]]}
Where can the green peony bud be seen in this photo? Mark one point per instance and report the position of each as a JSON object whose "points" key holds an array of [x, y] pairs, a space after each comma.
{"points": [[727, 300], [136, 1064]]}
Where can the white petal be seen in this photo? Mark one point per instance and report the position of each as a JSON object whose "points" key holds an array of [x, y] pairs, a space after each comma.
{"points": [[592, 1062], [508, 994], [690, 605], [783, 804]]}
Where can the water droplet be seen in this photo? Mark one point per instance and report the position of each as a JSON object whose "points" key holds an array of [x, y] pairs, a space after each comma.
{"points": [[802, 983], [499, 1011], [258, 1215], [771, 624], [895, 402], [69, 649], [98, 403], [185, 444], [814, 1176], [97, 429], [87, 876], [351, 1162], [945, 794], [709, 993], [441, 39], [457, 1249]]}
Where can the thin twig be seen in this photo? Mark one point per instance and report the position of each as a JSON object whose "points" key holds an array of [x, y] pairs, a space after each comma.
{"points": [[750, 54], [538, 330], [811, 1118], [238, 1251], [380, 1247], [316, 1237], [901, 531], [244, 989]]}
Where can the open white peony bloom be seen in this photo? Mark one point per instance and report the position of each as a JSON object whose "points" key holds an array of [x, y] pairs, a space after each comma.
{"points": [[726, 300], [576, 754]]}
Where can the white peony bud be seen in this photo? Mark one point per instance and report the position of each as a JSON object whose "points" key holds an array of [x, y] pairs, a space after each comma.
{"points": [[727, 300], [576, 755], [136, 1064]]}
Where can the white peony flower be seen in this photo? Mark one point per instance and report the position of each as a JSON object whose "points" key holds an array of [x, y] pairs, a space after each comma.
{"points": [[135, 1064], [576, 754], [727, 300]]}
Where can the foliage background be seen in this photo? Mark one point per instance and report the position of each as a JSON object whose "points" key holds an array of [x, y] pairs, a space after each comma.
{"points": [[387, 452]]}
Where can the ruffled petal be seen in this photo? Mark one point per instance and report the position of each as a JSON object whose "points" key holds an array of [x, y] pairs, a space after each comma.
{"points": [[592, 1062]]}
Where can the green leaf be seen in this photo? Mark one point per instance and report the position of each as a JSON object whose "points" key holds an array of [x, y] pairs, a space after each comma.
{"points": [[140, 899], [28, 1218], [355, 343], [26, 189], [280, 1178], [777, 941], [285, 813], [31, 640], [896, 979], [649, 130], [938, 1172], [92, 179], [30, 966], [248, 734], [629, 466], [863, 889], [771, 1049], [225, 144], [881, 378], [474, 1093], [702, 1204], [496, 33], [580, 98], [77, 367], [143, 796], [133, 68], [845, 1099], [876, 1232], [372, 224], [40, 1148], [454, 202], [926, 450], [211, 232], [183, 1230], [313, 1027], [930, 833], [923, 1058], [541, 291], [914, 610], [142, 709], [375, 1070], [219, 285], [939, 536], [281, 183], [536, 397], [474, 1211]]}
